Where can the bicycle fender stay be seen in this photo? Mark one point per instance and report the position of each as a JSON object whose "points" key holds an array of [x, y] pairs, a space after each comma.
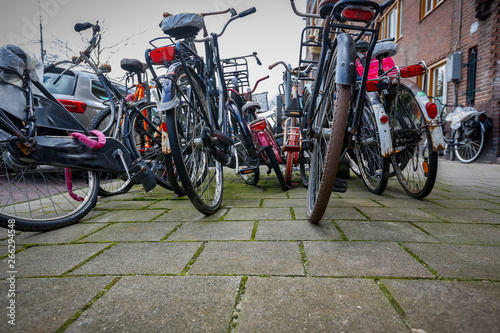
{"points": [[435, 129], [345, 72], [384, 128]]}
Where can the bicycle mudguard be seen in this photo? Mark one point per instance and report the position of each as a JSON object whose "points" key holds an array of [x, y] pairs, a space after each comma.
{"points": [[435, 129], [384, 128], [169, 98], [14, 100], [345, 71]]}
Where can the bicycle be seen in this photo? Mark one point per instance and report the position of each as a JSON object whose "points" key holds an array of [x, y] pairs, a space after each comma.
{"points": [[265, 142], [49, 165], [198, 113], [469, 130]]}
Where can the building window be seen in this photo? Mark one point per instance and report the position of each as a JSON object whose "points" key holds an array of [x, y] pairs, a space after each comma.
{"points": [[428, 5], [392, 22], [437, 84], [471, 76]]}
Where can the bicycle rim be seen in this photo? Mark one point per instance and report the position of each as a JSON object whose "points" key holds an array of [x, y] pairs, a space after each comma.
{"points": [[330, 123], [42, 197], [468, 150], [414, 160], [110, 183], [199, 172]]}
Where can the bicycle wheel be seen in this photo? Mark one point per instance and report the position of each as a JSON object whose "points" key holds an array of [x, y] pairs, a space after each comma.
{"points": [[276, 167], [247, 163], [188, 131], [109, 183], [305, 152], [373, 167], [467, 149], [414, 160], [147, 142], [41, 197], [328, 130]]}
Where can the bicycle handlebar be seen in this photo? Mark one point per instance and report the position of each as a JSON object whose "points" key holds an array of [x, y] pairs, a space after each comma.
{"points": [[254, 87], [234, 16], [297, 72], [292, 3]]}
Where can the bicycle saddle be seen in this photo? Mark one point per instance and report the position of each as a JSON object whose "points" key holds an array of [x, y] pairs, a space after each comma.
{"points": [[133, 65], [385, 49], [249, 105], [326, 6]]}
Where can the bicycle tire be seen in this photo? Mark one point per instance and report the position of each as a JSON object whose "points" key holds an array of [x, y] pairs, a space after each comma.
{"points": [[269, 151], [109, 183], [147, 143], [290, 157], [414, 161], [305, 153], [373, 167], [198, 170], [37, 196], [467, 150], [327, 152]]}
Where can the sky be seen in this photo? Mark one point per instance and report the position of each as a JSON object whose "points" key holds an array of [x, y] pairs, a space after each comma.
{"points": [[128, 26]]}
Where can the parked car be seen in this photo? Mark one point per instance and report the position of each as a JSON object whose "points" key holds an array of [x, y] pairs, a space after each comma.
{"points": [[79, 91]]}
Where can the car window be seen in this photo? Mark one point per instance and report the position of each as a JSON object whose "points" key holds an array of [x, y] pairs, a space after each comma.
{"points": [[99, 92], [65, 85]]}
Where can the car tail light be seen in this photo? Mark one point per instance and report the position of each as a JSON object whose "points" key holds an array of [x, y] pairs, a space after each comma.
{"points": [[432, 110], [362, 14], [162, 55], [258, 126], [73, 106], [410, 71]]}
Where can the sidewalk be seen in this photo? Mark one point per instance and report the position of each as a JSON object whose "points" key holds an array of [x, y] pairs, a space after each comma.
{"points": [[151, 262]]}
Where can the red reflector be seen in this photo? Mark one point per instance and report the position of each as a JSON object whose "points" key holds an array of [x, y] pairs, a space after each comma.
{"points": [[432, 110], [259, 126], [371, 85], [384, 119], [411, 71], [357, 14], [164, 126], [73, 106], [162, 55], [482, 117]]}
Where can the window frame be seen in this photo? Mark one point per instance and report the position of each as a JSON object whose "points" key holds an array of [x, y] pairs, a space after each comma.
{"points": [[431, 89], [384, 20], [433, 4]]}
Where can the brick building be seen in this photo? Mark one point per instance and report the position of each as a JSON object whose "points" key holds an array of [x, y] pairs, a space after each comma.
{"points": [[459, 40]]}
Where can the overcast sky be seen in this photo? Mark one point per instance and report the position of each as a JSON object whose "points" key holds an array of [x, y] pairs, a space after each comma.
{"points": [[273, 31]]}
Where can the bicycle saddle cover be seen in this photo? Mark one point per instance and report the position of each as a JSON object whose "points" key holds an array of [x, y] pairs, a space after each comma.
{"points": [[385, 49], [182, 25], [250, 104]]}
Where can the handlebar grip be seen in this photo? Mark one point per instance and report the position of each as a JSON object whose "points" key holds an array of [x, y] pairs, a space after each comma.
{"points": [[247, 12], [82, 26], [385, 5]]}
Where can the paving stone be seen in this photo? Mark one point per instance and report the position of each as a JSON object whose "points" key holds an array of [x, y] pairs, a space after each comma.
{"points": [[125, 204], [238, 203], [407, 202], [465, 215], [316, 305], [341, 213], [51, 260], [397, 214], [172, 204], [464, 204], [388, 231], [473, 234], [241, 214], [299, 203], [296, 230], [460, 261], [449, 306], [141, 258], [133, 232], [64, 235], [189, 215], [127, 216], [352, 202], [249, 258], [209, 231], [163, 304], [361, 259], [43, 304]]}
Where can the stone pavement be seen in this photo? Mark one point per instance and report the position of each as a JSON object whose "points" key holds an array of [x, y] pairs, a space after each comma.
{"points": [[151, 262]]}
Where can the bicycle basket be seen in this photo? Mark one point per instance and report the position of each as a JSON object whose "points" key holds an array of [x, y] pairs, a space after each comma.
{"points": [[471, 128], [182, 25]]}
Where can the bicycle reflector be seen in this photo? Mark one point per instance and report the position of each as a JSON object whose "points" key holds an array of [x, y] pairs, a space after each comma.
{"points": [[362, 14], [258, 126], [73, 106], [410, 71], [378, 84], [162, 55], [432, 110]]}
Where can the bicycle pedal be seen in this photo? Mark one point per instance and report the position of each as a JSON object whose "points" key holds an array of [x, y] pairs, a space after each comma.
{"points": [[340, 185], [141, 173], [246, 171]]}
